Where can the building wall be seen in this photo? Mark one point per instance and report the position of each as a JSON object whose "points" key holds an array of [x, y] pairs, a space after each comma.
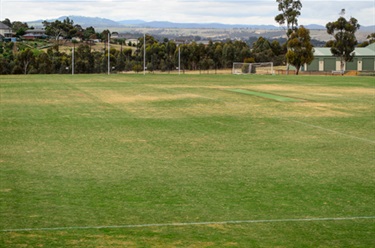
{"points": [[314, 66], [333, 64], [368, 64], [352, 66], [330, 64], [6, 32]]}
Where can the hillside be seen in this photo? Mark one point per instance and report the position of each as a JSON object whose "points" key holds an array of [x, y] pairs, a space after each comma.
{"points": [[213, 31], [97, 22], [85, 22]]}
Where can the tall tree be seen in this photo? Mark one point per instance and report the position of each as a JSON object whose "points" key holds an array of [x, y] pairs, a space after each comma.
{"points": [[370, 40], [262, 50], [19, 28], [290, 11], [300, 49], [228, 54], [88, 33], [345, 41], [43, 63], [57, 28], [25, 59]]}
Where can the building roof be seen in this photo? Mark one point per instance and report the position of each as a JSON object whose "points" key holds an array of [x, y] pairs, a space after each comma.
{"points": [[365, 51], [3, 26], [322, 51], [371, 46], [359, 51]]}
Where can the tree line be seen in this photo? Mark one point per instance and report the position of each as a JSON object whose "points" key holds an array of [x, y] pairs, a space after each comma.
{"points": [[165, 55], [20, 58]]}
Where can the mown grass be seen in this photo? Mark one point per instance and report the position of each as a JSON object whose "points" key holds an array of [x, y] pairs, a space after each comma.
{"points": [[97, 150]]}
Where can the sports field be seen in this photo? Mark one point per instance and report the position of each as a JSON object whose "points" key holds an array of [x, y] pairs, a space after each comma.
{"points": [[187, 161]]}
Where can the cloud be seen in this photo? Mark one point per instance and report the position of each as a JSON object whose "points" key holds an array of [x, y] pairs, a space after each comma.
{"points": [[222, 11], [363, 11]]}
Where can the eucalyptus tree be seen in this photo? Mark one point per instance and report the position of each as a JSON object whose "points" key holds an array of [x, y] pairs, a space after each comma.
{"points": [[25, 60], [228, 54], [290, 11], [218, 56], [262, 50], [43, 64], [300, 49], [344, 41], [19, 28], [84, 59], [58, 28]]}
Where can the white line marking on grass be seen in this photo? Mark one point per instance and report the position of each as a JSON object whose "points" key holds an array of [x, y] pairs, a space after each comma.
{"points": [[231, 222], [333, 131]]}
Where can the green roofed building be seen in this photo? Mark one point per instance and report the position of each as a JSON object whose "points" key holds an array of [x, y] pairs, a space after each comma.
{"points": [[364, 60]]}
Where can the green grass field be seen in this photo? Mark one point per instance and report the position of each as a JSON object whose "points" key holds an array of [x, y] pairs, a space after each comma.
{"points": [[187, 161]]}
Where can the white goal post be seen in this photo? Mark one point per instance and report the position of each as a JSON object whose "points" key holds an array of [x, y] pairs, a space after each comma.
{"points": [[265, 68]]}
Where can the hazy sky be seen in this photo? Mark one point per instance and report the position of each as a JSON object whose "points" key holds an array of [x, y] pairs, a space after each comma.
{"points": [[222, 11]]}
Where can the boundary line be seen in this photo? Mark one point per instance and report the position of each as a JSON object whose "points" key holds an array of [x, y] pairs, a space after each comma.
{"points": [[231, 222], [332, 131]]}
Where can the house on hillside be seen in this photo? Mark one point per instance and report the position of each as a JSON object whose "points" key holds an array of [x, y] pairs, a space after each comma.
{"points": [[324, 61], [5, 31], [33, 34]]}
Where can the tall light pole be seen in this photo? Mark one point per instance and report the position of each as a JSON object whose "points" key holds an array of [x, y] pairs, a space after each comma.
{"points": [[109, 52], [73, 60], [179, 60], [144, 54]]}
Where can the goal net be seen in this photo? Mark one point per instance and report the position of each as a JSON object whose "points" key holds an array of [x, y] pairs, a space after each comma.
{"points": [[253, 68]]}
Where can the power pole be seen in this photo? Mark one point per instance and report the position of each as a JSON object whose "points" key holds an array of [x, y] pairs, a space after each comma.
{"points": [[73, 60], [179, 60], [109, 52], [144, 54]]}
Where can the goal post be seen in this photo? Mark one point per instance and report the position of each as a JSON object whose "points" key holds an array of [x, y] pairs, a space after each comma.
{"points": [[265, 68]]}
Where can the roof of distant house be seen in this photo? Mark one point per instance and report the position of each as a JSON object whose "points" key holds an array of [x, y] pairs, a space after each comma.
{"points": [[3, 26]]}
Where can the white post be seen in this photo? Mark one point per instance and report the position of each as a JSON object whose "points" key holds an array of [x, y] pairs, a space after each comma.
{"points": [[179, 60], [109, 52], [144, 54], [73, 60]]}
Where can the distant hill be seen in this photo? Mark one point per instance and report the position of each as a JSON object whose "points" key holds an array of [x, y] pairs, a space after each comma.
{"points": [[314, 26], [131, 22], [85, 22], [103, 23], [92, 21], [368, 28], [164, 24], [97, 22]]}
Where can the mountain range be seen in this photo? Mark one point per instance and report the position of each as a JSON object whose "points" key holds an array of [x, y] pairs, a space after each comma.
{"points": [[103, 23]]}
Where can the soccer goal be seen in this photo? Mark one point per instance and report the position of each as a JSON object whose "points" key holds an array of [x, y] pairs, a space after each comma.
{"points": [[265, 68]]}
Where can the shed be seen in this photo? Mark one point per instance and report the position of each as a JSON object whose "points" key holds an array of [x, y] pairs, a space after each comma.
{"points": [[364, 60]]}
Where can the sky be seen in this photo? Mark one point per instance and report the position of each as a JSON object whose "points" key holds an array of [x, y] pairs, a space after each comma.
{"points": [[187, 11]]}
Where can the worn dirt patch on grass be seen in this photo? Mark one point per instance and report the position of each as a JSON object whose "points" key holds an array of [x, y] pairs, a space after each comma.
{"points": [[5, 190], [318, 109], [113, 97]]}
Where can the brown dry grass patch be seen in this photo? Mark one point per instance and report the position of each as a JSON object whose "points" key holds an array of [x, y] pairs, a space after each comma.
{"points": [[325, 91], [114, 97]]}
